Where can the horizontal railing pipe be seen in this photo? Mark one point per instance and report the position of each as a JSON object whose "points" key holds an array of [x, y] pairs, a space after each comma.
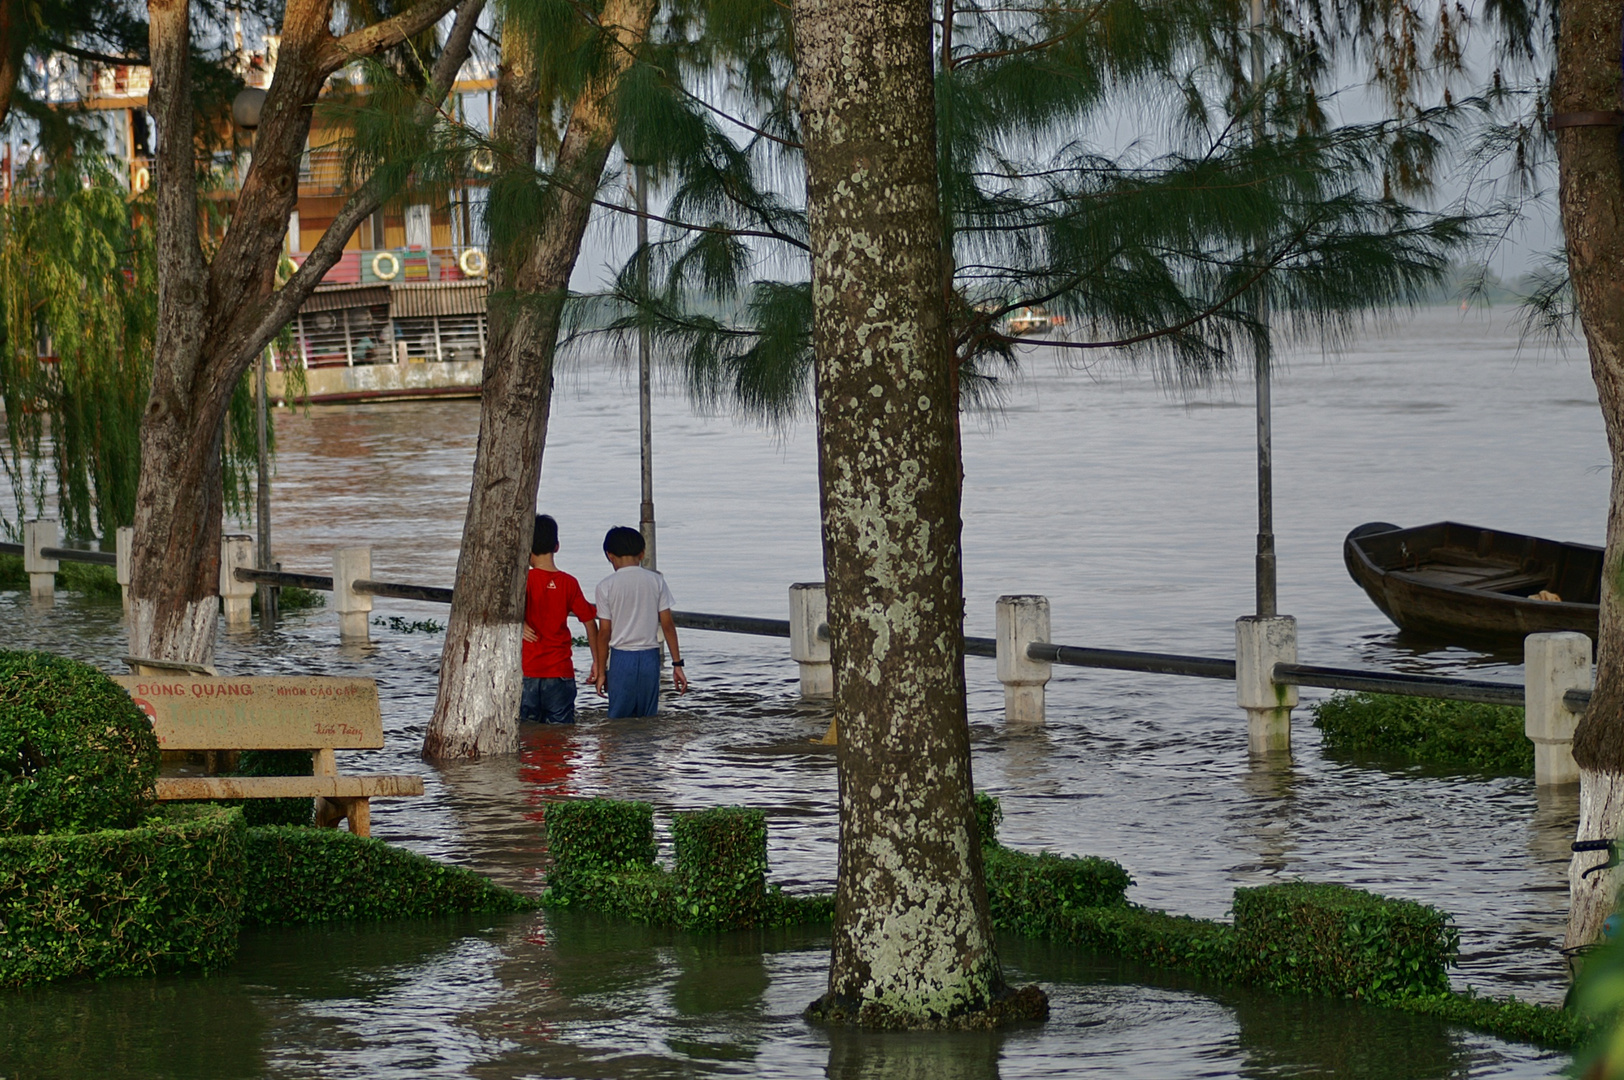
{"points": [[1200, 667], [100, 558], [434, 594], [1381, 682], [12, 549], [1577, 700], [732, 624], [284, 577]]}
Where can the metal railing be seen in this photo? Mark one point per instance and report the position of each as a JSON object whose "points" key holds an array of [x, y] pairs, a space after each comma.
{"points": [[1202, 667]]}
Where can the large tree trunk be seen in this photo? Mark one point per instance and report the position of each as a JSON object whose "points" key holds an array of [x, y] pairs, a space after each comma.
{"points": [[1586, 90], [215, 316], [477, 710], [913, 942]]}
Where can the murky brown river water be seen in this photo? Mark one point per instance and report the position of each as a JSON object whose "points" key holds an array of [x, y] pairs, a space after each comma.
{"points": [[1131, 508]]}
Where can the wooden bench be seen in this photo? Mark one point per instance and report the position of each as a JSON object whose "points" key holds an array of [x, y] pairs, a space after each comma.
{"points": [[318, 714]]}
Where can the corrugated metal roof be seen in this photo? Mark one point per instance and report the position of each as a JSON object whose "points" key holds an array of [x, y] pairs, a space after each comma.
{"points": [[333, 297], [422, 299]]}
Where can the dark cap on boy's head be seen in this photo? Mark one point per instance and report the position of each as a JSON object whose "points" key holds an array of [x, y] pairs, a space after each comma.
{"points": [[544, 541], [623, 541]]}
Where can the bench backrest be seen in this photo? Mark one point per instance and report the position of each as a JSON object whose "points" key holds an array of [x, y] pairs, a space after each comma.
{"points": [[259, 713]]}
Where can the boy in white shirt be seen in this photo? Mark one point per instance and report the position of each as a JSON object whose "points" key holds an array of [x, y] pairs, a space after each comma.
{"points": [[634, 607]]}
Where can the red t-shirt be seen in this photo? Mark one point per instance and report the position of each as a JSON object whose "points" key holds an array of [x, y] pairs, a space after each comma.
{"points": [[550, 596]]}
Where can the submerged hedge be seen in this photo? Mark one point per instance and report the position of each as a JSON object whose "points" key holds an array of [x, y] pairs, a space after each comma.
{"points": [[1452, 734], [165, 896], [603, 861], [298, 875], [1290, 937], [171, 894]]}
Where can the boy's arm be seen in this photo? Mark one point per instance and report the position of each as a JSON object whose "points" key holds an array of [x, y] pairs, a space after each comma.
{"points": [[679, 677], [592, 646], [600, 655]]}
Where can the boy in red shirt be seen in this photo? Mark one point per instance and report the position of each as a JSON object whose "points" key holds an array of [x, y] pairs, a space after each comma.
{"points": [[550, 596]]}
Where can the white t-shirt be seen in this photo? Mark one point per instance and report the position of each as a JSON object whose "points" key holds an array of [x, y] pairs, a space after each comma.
{"points": [[631, 599]]}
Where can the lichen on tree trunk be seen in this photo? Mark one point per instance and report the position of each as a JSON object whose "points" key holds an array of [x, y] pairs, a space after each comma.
{"points": [[913, 943], [476, 711], [1588, 83]]}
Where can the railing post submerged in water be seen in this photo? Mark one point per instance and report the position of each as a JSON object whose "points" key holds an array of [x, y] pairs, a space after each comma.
{"points": [[236, 597], [124, 547], [1021, 621], [354, 608], [1553, 664], [1261, 642], [808, 611], [37, 534]]}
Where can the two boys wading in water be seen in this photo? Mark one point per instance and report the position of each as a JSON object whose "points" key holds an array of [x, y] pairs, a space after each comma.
{"points": [[622, 630]]}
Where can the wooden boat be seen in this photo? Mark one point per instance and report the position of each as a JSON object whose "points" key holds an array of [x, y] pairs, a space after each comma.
{"points": [[1451, 581]]}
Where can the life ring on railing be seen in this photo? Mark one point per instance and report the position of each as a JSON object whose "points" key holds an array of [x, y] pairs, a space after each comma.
{"points": [[483, 160], [378, 262], [142, 180], [472, 261]]}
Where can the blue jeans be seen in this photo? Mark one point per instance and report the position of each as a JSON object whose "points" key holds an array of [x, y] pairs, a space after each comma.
{"points": [[547, 701], [634, 682]]}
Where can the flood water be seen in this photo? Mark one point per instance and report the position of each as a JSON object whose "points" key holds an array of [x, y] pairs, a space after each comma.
{"points": [[1130, 507]]}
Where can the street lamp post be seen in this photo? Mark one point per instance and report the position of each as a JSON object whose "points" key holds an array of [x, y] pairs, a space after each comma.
{"points": [[245, 110], [1267, 601], [644, 396]]}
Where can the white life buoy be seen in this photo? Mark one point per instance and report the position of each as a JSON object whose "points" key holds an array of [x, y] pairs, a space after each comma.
{"points": [[378, 262], [472, 261], [482, 160], [143, 179]]}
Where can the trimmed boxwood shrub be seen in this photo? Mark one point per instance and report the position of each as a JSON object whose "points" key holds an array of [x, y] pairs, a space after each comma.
{"points": [[721, 867], [75, 752], [295, 875], [1313, 938], [166, 896], [598, 835], [1034, 895]]}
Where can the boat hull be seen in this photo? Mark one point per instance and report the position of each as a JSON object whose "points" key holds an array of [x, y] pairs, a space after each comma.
{"points": [[1463, 582], [383, 382]]}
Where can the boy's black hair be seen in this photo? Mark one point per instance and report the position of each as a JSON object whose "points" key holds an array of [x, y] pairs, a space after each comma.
{"points": [[622, 540], [544, 541]]}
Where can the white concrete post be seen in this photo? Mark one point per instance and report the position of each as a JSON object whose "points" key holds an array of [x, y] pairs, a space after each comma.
{"points": [[124, 545], [1021, 621], [1553, 664], [236, 597], [1261, 643], [349, 565], [41, 571], [808, 610]]}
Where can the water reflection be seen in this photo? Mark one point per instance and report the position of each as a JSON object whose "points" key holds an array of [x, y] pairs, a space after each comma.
{"points": [[859, 1055], [1310, 1037]]}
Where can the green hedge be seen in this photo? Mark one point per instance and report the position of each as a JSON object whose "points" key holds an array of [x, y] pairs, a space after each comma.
{"points": [[1312, 938], [165, 896], [75, 752], [600, 835], [297, 875], [603, 861], [1452, 734], [721, 867], [91, 579], [1034, 895], [274, 811]]}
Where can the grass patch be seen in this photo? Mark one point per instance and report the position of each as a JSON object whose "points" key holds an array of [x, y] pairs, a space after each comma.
{"points": [[87, 579], [1452, 734]]}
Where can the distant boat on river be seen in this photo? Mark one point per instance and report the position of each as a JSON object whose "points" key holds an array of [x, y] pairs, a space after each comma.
{"points": [[1456, 581]]}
